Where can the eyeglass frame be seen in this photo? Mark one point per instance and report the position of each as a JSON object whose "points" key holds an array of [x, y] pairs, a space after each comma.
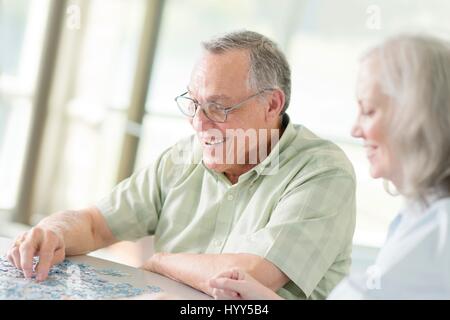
{"points": [[226, 110]]}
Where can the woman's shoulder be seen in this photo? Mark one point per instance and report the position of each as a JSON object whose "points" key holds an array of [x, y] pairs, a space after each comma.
{"points": [[438, 214], [441, 206], [432, 224]]}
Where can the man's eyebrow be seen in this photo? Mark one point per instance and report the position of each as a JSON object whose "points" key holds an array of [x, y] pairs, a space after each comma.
{"points": [[214, 97]]}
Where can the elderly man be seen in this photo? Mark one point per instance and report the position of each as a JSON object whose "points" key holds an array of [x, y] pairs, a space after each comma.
{"points": [[249, 190]]}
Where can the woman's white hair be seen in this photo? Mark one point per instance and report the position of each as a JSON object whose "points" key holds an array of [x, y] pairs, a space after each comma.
{"points": [[415, 74]]}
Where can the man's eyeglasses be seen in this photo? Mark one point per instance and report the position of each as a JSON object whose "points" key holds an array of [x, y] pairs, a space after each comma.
{"points": [[213, 111]]}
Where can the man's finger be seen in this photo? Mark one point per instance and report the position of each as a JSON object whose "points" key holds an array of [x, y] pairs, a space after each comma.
{"points": [[45, 262], [14, 257], [49, 254], [59, 256], [27, 251], [13, 252], [10, 258]]}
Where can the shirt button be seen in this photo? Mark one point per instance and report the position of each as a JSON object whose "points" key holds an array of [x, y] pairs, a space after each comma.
{"points": [[230, 197], [217, 243]]}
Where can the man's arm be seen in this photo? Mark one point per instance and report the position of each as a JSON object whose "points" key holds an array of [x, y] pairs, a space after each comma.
{"points": [[196, 270], [83, 231], [61, 234]]}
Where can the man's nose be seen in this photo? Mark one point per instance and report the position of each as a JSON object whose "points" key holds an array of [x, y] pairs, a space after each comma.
{"points": [[200, 121]]}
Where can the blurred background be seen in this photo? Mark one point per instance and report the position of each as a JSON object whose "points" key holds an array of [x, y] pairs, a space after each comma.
{"points": [[87, 91]]}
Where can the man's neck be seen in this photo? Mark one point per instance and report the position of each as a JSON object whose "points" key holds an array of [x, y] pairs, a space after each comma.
{"points": [[234, 174]]}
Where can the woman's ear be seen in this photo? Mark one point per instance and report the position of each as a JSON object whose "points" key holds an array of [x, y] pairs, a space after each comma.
{"points": [[276, 100]]}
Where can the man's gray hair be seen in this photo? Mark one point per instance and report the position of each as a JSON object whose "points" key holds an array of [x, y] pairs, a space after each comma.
{"points": [[415, 74], [268, 65]]}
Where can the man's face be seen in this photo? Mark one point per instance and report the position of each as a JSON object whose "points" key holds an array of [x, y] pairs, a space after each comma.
{"points": [[223, 78]]}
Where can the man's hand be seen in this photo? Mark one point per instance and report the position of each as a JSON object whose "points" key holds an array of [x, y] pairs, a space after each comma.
{"points": [[47, 244], [237, 284], [65, 233]]}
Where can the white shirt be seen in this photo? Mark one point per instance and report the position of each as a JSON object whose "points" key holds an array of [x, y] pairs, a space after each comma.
{"points": [[414, 263]]}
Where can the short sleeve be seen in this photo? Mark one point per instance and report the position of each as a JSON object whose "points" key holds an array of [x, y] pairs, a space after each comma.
{"points": [[310, 228], [132, 208]]}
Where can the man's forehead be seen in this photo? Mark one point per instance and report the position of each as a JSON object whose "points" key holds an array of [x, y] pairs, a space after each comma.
{"points": [[234, 62], [228, 56], [216, 74]]}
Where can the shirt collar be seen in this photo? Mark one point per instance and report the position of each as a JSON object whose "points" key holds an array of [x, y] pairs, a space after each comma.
{"points": [[271, 164]]}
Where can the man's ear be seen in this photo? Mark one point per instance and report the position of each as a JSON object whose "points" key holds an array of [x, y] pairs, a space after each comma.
{"points": [[276, 100]]}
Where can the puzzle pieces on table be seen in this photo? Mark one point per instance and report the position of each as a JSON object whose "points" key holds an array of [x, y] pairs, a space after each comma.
{"points": [[67, 280]]}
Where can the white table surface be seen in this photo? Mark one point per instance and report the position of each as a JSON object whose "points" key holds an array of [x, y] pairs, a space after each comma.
{"points": [[137, 277]]}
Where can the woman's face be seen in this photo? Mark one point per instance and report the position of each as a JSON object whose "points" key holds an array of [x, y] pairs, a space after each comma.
{"points": [[372, 123]]}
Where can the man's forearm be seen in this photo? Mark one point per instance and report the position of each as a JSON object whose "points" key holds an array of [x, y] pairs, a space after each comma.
{"points": [[81, 231], [196, 270]]}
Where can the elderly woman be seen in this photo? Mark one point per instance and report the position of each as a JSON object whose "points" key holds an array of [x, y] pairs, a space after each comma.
{"points": [[403, 96]]}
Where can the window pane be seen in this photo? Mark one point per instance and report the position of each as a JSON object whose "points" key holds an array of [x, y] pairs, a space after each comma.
{"points": [[109, 51], [14, 123], [152, 144], [92, 119], [325, 47], [13, 16], [87, 163], [22, 25]]}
